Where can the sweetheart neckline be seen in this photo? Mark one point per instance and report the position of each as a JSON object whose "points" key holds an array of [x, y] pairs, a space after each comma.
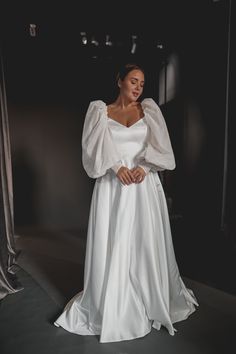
{"points": [[125, 125]]}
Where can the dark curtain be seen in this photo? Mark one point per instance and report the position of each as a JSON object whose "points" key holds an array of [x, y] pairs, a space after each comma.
{"points": [[8, 266]]}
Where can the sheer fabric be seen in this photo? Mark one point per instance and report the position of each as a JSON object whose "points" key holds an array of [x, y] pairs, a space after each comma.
{"points": [[99, 152]]}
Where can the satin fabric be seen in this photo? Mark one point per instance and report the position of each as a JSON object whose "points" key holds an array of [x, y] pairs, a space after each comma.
{"points": [[131, 278], [9, 282]]}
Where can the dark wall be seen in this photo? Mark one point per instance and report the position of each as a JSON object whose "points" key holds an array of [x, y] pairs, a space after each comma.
{"points": [[51, 79], [199, 117], [49, 86]]}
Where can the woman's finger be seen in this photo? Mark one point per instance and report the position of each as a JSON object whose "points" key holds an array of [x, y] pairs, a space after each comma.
{"points": [[131, 175], [126, 178]]}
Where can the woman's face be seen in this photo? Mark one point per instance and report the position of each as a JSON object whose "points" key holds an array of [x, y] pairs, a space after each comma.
{"points": [[132, 85]]}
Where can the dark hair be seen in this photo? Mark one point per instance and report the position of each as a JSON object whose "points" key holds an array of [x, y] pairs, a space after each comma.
{"points": [[126, 69]]}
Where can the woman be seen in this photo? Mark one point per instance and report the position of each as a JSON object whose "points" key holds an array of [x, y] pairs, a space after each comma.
{"points": [[131, 278]]}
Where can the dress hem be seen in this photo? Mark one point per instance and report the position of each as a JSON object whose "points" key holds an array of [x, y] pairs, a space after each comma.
{"points": [[90, 331]]}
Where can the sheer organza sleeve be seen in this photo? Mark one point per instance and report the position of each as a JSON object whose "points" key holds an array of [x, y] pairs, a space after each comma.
{"points": [[98, 150], [158, 154]]}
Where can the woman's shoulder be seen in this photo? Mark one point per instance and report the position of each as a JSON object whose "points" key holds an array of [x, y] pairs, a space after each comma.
{"points": [[149, 103], [97, 104], [151, 109]]}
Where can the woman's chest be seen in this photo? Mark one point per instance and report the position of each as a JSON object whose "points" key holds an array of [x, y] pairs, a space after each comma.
{"points": [[136, 134]]}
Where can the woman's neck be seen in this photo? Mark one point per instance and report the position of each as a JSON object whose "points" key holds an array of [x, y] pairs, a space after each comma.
{"points": [[124, 103]]}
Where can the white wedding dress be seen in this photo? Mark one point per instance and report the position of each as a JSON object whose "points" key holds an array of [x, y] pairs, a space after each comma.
{"points": [[131, 279]]}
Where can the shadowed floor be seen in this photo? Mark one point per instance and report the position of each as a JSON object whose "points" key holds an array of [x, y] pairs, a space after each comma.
{"points": [[51, 271]]}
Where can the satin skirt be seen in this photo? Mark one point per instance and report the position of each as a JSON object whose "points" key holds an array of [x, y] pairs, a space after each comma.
{"points": [[131, 278]]}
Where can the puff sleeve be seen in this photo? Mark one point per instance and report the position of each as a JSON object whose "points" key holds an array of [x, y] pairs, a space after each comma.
{"points": [[158, 154], [98, 150]]}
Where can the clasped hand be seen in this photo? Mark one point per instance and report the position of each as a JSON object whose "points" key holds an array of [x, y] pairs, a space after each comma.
{"points": [[133, 175]]}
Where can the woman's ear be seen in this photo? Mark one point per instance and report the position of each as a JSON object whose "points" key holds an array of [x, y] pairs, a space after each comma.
{"points": [[119, 83]]}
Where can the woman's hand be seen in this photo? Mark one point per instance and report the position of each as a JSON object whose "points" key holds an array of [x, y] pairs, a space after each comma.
{"points": [[138, 174], [125, 175]]}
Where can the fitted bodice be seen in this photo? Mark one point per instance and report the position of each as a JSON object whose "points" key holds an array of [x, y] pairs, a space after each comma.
{"points": [[129, 141]]}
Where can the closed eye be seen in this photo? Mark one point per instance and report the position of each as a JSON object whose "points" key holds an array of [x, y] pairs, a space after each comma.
{"points": [[135, 81]]}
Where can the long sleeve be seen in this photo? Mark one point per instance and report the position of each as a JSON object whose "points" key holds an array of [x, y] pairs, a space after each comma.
{"points": [[145, 167], [98, 150], [117, 166], [157, 154]]}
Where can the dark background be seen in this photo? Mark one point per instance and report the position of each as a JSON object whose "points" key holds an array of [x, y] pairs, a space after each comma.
{"points": [[51, 78]]}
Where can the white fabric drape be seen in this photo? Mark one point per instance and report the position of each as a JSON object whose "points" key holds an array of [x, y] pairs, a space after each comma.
{"points": [[131, 278]]}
